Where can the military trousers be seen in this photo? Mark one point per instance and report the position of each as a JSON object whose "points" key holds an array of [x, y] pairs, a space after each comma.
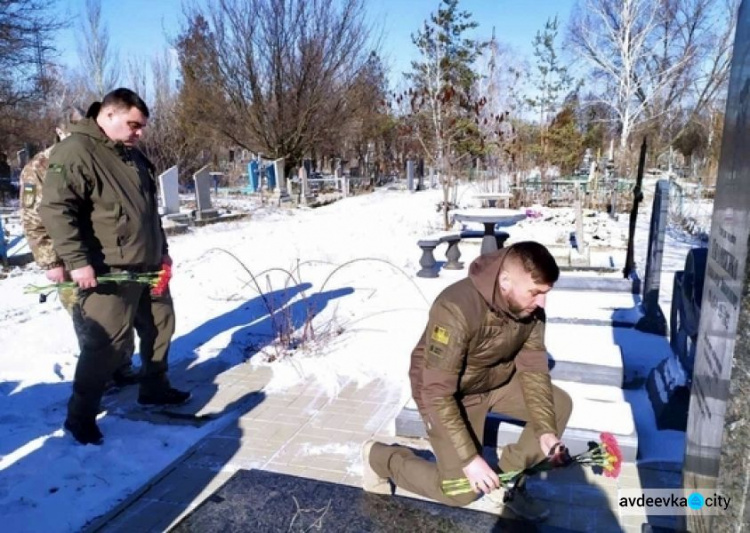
{"points": [[424, 477], [104, 318], [69, 297]]}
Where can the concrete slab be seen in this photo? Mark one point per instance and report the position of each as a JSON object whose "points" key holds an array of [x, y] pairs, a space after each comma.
{"points": [[592, 307], [584, 353]]}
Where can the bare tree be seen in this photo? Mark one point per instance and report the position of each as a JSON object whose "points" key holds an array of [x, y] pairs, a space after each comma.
{"points": [[26, 31], [654, 57], [100, 64], [272, 75]]}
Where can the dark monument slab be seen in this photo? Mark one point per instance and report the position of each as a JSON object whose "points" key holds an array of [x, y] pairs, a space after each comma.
{"points": [[654, 320], [259, 501], [717, 454]]}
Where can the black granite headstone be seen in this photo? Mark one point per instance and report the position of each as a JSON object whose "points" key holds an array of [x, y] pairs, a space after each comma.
{"points": [[653, 320], [717, 454], [259, 501]]}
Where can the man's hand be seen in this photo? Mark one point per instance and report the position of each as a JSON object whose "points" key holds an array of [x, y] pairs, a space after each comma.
{"points": [[547, 441], [56, 274], [551, 444], [84, 277], [481, 477]]}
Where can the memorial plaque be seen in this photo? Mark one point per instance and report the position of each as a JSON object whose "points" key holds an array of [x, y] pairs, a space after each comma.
{"points": [[717, 453]]}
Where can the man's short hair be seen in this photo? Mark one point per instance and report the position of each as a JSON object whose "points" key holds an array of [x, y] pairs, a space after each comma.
{"points": [[536, 260], [126, 99], [69, 116]]}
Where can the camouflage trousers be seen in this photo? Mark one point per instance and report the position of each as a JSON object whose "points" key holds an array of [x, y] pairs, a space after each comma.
{"points": [[104, 318]]}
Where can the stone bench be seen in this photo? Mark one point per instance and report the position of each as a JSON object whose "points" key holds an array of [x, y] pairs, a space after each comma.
{"points": [[596, 409], [453, 254]]}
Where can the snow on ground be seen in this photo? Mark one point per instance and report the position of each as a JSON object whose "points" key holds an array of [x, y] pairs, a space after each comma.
{"points": [[350, 265]]}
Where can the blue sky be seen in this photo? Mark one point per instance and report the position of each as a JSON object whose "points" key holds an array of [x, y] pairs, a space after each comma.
{"points": [[141, 27]]}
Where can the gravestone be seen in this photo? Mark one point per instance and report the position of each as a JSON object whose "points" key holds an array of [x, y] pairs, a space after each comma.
{"points": [[410, 175], [203, 182], [344, 186], [717, 441], [252, 176], [23, 157], [304, 187], [170, 191], [278, 171], [654, 320]]}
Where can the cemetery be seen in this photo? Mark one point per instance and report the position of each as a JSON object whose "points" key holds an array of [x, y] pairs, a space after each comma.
{"points": [[312, 224]]}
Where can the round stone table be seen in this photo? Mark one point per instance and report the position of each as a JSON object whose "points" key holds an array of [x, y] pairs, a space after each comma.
{"points": [[490, 218]]}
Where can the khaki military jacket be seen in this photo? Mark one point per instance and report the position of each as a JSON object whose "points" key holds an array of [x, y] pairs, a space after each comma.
{"points": [[473, 344], [31, 180], [99, 203]]}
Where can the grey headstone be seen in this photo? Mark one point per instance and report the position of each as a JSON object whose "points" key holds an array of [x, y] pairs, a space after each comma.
{"points": [[278, 167], [654, 320], [717, 453], [203, 182], [344, 186], [170, 191], [304, 187], [23, 157], [410, 175]]}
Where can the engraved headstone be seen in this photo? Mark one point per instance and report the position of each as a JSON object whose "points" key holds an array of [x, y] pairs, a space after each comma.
{"points": [[170, 191], [717, 452]]}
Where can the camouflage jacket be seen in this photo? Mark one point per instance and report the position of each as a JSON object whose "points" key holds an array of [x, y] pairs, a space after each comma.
{"points": [[31, 181]]}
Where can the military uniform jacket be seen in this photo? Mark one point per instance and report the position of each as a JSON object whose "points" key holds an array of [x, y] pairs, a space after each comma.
{"points": [[473, 344], [32, 178], [99, 203]]}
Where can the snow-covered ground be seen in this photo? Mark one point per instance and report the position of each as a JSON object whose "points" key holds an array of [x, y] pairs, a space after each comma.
{"points": [[352, 262]]}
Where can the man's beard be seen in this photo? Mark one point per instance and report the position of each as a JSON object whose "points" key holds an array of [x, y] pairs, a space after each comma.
{"points": [[517, 310]]}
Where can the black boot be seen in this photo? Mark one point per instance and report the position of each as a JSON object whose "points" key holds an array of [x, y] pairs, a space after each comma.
{"points": [[84, 432], [166, 396], [518, 500], [126, 375]]}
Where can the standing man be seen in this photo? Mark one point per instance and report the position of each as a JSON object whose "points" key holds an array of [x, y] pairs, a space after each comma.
{"points": [[30, 190], [99, 206], [483, 350]]}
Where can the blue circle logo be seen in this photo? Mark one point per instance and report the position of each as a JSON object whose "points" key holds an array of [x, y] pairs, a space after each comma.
{"points": [[695, 501]]}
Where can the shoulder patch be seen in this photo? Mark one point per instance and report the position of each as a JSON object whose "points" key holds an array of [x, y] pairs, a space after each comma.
{"points": [[441, 335], [54, 167], [29, 195]]}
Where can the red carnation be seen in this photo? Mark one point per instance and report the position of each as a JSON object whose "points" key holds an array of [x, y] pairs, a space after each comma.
{"points": [[614, 453], [161, 284]]}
